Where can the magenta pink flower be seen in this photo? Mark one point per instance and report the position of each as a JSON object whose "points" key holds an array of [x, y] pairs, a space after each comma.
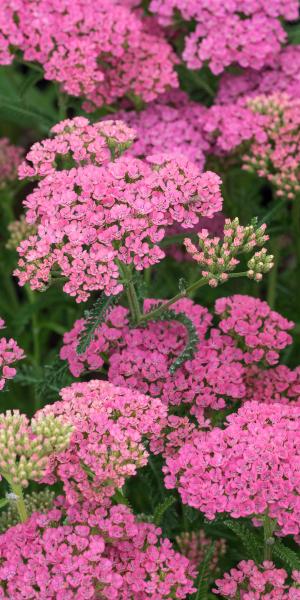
{"points": [[260, 331], [10, 353], [247, 469], [279, 384], [82, 551], [248, 580]]}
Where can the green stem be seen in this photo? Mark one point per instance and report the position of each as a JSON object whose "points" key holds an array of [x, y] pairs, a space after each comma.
{"points": [[133, 302], [269, 527], [20, 504], [190, 289], [273, 275]]}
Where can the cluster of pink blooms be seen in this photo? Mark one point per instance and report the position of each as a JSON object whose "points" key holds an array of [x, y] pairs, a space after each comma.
{"points": [[93, 214], [279, 384], [218, 257], [101, 52], [10, 159], [10, 353], [262, 331], [110, 424], [243, 32], [248, 580], [281, 77], [278, 157], [173, 122], [247, 469], [141, 357], [94, 553]]}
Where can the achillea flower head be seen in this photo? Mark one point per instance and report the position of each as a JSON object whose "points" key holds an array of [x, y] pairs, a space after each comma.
{"points": [[247, 469], [97, 212], [218, 257], [99, 52], [247, 33], [10, 353], [282, 76], [173, 123], [82, 551], [263, 581], [26, 448], [10, 158], [258, 330], [110, 424], [279, 384]]}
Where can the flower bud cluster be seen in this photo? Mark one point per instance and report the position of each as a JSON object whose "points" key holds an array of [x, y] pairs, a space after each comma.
{"points": [[25, 449], [218, 257]]}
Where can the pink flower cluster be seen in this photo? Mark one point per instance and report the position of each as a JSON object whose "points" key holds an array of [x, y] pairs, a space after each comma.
{"points": [[10, 353], [110, 424], [282, 76], [257, 328], [141, 357], [172, 123], [279, 384], [94, 214], [218, 257], [248, 580], [93, 553], [243, 32], [247, 469], [101, 52], [10, 158]]}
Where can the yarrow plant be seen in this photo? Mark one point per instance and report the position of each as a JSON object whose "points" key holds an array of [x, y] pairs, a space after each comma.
{"points": [[149, 187]]}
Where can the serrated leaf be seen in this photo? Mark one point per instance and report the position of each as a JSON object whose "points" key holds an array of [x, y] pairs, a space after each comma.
{"points": [[203, 579], [93, 319], [162, 508], [286, 555], [249, 539]]}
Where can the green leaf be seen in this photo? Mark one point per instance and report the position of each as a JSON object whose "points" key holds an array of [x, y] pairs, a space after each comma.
{"points": [[3, 502], [192, 341], [286, 555], [249, 539], [162, 508], [93, 319], [203, 579]]}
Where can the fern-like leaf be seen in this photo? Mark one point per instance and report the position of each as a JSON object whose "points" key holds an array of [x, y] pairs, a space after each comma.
{"points": [[162, 508], [93, 319], [193, 339], [203, 579], [249, 539], [290, 558]]}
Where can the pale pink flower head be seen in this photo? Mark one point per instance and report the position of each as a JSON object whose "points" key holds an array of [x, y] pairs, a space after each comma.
{"points": [[110, 424], [94, 209], [259, 331]]}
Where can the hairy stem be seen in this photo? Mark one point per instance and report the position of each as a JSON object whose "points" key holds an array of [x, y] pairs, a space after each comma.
{"points": [[133, 301], [191, 288], [20, 504], [269, 527]]}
